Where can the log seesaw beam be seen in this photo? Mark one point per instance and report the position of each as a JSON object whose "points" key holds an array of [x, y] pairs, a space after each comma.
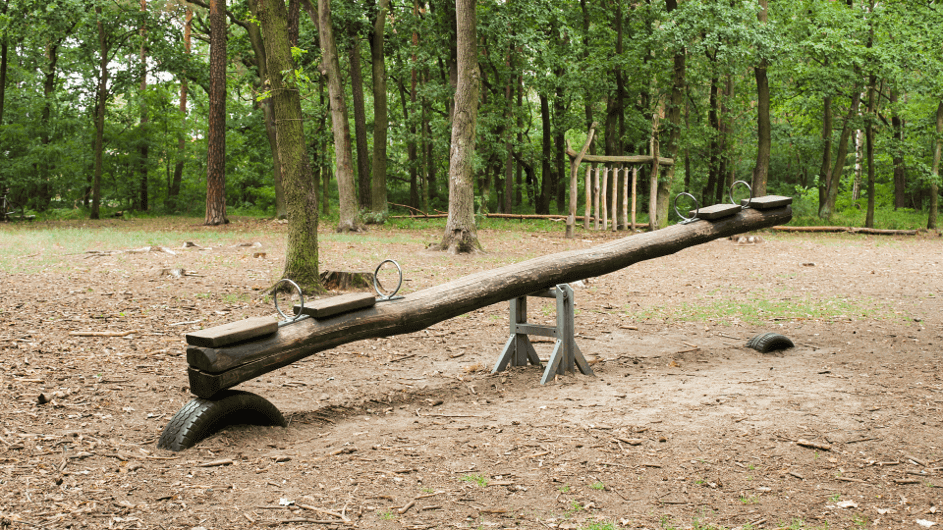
{"points": [[212, 370]]}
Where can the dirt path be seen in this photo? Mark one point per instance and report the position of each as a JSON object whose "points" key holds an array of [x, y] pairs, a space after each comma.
{"points": [[682, 425]]}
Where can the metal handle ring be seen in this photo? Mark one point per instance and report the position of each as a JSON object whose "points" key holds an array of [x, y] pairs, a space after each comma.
{"points": [[734, 185], [301, 296], [697, 207], [376, 282]]}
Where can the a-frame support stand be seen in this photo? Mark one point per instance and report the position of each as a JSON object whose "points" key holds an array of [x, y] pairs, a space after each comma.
{"points": [[566, 356]]}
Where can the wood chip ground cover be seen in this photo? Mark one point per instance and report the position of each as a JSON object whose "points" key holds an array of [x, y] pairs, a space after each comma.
{"points": [[682, 426]]}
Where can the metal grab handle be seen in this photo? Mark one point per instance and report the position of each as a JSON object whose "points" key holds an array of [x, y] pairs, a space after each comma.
{"points": [[301, 296], [697, 208], [381, 296], [734, 185]]}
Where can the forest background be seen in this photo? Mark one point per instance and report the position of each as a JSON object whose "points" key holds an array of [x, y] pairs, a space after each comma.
{"points": [[837, 103]]}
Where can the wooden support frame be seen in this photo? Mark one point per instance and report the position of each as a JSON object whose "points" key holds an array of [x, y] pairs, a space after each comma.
{"points": [[566, 356]]}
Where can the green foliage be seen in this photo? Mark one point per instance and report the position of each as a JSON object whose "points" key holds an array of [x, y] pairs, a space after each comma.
{"points": [[565, 51]]}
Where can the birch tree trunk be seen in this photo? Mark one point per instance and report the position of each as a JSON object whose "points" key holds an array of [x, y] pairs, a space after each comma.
{"points": [[935, 171]]}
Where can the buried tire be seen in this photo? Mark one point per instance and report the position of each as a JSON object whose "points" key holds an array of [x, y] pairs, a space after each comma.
{"points": [[201, 418], [769, 342]]}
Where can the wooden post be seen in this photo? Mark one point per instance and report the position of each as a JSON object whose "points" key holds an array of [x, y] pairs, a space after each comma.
{"points": [[634, 179], [596, 200], [589, 196], [605, 213], [653, 196], [615, 197], [571, 219], [625, 199]]}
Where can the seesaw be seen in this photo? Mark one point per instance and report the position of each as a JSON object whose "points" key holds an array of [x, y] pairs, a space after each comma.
{"points": [[223, 357]]}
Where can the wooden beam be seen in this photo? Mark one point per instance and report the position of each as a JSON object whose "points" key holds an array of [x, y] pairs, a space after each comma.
{"points": [[630, 159], [215, 369]]}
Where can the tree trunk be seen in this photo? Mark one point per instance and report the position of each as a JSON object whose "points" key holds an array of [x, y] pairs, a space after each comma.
{"points": [[900, 172], [508, 144], [268, 117], [214, 369], [653, 193], [301, 195], [675, 103], [216, 135], [174, 190], [347, 211], [869, 140], [834, 178], [859, 164], [826, 166], [411, 154], [543, 201], [935, 170], [763, 126], [519, 167], [460, 233], [4, 49], [360, 124], [102, 100], [44, 195], [574, 176], [378, 200], [144, 147], [713, 161], [559, 152]]}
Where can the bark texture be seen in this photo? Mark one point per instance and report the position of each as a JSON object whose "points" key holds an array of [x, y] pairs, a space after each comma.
{"points": [[378, 199], [360, 124], [763, 126], [834, 178], [174, 191], [101, 100], [216, 134], [935, 171], [347, 210], [460, 233], [301, 196]]}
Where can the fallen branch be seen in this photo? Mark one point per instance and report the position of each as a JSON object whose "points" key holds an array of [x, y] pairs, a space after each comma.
{"points": [[325, 512], [845, 229], [102, 333]]}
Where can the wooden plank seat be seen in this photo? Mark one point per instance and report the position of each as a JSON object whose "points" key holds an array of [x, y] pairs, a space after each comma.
{"points": [[336, 305], [233, 333], [716, 211], [767, 202]]}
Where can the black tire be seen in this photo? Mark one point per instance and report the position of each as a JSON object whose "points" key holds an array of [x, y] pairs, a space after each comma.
{"points": [[769, 342], [201, 418]]}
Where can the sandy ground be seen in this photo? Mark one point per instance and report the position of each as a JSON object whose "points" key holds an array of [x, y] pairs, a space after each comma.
{"points": [[682, 426]]}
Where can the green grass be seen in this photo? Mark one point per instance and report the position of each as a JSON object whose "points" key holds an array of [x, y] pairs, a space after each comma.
{"points": [[600, 526], [762, 311], [884, 218], [475, 478], [597, 486]]}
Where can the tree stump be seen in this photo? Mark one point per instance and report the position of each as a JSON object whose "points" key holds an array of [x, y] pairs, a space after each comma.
{"points": [[347, 280]]}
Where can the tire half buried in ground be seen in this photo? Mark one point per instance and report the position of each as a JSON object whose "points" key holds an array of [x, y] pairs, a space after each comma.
{"points": [[769, 342], [201, 418]]}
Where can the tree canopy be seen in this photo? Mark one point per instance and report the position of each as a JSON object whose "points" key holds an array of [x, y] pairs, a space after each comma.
{"points": [[90, 98]]}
